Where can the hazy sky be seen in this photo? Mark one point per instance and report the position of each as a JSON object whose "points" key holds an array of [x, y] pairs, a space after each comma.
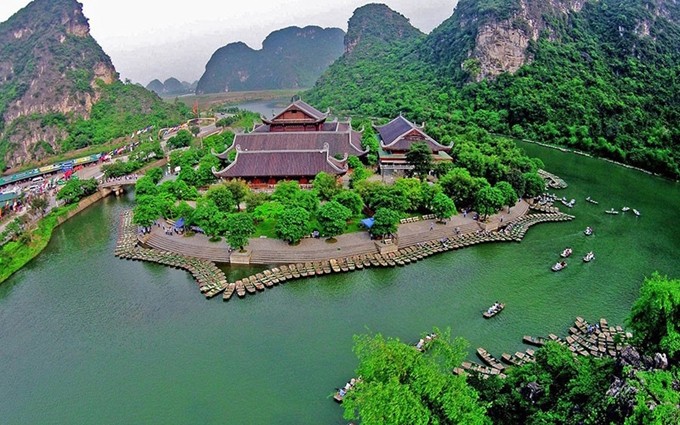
{"points": [[149, 39]]}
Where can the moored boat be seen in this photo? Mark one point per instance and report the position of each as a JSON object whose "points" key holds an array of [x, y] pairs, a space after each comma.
{"points": [[493, 310], [566, 253], [534, 340], [559, 266], [589, 257]]}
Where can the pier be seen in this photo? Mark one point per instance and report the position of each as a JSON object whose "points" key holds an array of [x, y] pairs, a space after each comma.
{"points": [[413, 245]]}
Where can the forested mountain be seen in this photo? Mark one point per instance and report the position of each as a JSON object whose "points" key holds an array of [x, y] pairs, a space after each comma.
{"points": [[171, 87], [290, 58], [600, 76], [54, 81]]}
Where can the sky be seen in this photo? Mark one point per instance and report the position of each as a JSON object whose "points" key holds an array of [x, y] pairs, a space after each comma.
{"points": [[148, 39]]}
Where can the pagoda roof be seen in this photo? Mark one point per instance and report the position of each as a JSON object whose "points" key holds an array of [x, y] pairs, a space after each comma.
{"points": [[339, 143], [313, 115], [283, 164], [393, 136]]}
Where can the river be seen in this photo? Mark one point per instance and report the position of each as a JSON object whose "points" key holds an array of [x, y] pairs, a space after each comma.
{"points": [[88, 338]]}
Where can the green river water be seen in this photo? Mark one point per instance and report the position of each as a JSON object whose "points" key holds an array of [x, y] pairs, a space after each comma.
{"points": [[86, 338]]}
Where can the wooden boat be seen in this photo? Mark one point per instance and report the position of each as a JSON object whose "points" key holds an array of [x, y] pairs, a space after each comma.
{"points": [[589, 257], [559, 266], [588, 231], [591, 200], [611, 211], [534, 340], [341, 392], [423, 343], [493, 310], [489, 359], [566, 253]]}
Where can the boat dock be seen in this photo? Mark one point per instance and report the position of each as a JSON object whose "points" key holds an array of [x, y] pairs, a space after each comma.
{"points": [[210, 279], [177, 252]]}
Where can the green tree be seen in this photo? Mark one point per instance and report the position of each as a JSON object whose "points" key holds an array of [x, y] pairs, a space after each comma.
{"points": [[145, 213], [655, 316], [332, 217], [39, 204], [401, 385], [306, 199], [534, 184], [419, 156], [145, 186], [326, 186], [255, 199], [489, 200], [239, 190], [182, 139], [155, 174], [293, 224], [286, 191], [350, 200], [209, 218], [442, 206], [386, 222], [239, 228], [509, 194], [359, 174], [221, 197]]}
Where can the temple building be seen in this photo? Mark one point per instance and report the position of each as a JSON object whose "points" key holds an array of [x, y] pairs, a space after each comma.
{"points": [[296, 144], [397, 137]]}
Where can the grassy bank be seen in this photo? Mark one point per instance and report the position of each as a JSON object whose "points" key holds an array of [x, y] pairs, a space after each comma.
{"points": [[16, 254]]}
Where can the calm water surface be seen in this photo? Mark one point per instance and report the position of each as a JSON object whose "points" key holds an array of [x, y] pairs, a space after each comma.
{"points": [[86, 338]]}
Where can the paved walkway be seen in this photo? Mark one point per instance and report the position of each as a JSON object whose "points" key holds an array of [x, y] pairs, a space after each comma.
{"points": [[273, 251]]}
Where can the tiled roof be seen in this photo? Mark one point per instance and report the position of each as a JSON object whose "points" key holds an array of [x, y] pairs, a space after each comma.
{"points": [[314, 114], [393, 134], [282, 164], [338, 143]]}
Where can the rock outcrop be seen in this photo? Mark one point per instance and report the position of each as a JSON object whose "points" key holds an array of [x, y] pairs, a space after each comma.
{"points": [[49, 64], [290, 58]]}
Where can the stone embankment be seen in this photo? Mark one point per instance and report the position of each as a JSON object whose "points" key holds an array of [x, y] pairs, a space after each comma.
{"points": [[412, 252], [207, 275]]}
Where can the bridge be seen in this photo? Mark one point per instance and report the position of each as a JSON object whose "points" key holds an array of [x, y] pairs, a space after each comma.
{"points": [[117, 186]]}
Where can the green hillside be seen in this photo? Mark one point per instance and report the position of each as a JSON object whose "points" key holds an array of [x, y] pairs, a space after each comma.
{"points": [[601, 79]]}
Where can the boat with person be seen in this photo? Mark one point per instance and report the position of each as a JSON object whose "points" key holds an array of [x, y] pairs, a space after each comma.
{"points": [[559, 266], [589, 257], [493, 310], [342, 392], [611, 211], [591, 200], [566, 253], [423, 343], [588, 231]]}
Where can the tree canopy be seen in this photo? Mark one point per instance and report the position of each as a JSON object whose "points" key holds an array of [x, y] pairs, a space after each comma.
{"points": [[401, 385], [655, 316]]}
